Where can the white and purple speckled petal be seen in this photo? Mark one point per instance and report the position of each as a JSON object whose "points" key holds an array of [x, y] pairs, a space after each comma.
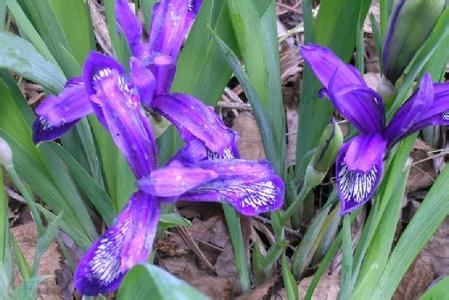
{"points": [[250, 187], [57, 114], [359, 169], [126, 243], [120, 107]]}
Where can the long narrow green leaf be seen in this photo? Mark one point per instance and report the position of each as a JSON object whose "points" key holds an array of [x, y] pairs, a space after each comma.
{"points": [[238, 245], [17, 55], [424, 223], [44, 242], [4, 224], [27, 29], [289, 280], [97, 196], [257, 41], [438, 291], [253, 98], [151, 282]]}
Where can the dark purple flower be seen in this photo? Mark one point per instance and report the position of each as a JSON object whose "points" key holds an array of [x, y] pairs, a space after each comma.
{"points": [[204, 170], [359, 165]]}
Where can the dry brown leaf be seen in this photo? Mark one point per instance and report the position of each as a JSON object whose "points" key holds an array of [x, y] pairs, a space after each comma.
{"points": [[26, 237], [260, 292], [422, 175], [250, 143]]}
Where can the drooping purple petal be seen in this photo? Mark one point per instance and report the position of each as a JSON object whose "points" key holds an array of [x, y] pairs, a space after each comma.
{"points": [[164, 68], [126, 243], [129, 24], [124, 118], [97, 67], [174, 181], [143, 80], [250, 187], [345, 86], [195, 120], [359, 169], [432, 109], [411, 111], [57, 114], [170, 24]]}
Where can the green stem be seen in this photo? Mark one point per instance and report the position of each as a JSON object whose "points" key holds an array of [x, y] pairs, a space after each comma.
{"points": [[28, 198], [293, 208], [347, 260], [238, 245]]}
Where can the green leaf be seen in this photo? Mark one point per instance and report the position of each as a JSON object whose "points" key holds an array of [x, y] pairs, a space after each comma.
{"points": [[28, 31], [289, 280], [151, 282], [263, 123], [257, 41], [425, 222], [44, 242], [238, 246], [74, 19], [97, 196], [170, 220], [27, 290], [438, 291], [4, 224], [17, 55]]}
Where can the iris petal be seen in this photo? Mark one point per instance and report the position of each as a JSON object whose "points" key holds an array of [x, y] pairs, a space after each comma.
{"points": [[412, 111], [250, 187], [345, 86], [124, 118], [57, 114], [130, 25], [126, 243], [359, 169], [170, 24], [194, 120]]}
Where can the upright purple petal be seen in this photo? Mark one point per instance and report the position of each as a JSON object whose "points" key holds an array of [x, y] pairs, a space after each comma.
{"points": [[345, 86], [411, 111], [170, 24], [97, 67], [194, 120], [360, 105], [250, 187], [164, 68], [359, 169], [429, 106], [57, 114], [126, 243], [124, 118], [130, 25], [143, 80]]}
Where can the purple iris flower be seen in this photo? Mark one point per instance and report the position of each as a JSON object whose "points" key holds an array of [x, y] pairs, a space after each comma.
{"points": [[207, 168], [359, 165]]}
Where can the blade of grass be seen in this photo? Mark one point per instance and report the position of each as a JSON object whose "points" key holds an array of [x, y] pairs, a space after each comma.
{"points": [[4, 224], [289, 280], [238, 245], [424, 223], [17, 55], [346, 271]]}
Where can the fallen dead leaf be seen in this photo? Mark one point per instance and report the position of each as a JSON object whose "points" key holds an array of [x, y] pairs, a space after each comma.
{"points": [[250, 143], [327, 289]]}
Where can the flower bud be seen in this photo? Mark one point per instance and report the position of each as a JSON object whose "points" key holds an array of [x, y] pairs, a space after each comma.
{"points": [[5, 154], [325, 154], [410, 24], [386, 89]]}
